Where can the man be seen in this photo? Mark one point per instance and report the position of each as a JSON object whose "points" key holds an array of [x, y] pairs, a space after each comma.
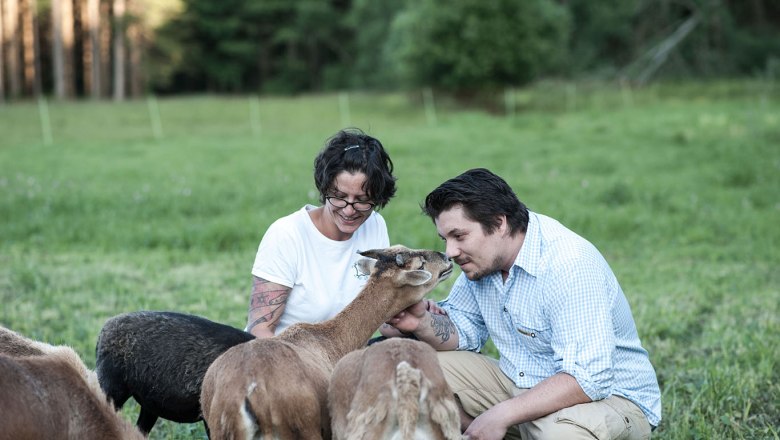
{"points": [[570, 361]]}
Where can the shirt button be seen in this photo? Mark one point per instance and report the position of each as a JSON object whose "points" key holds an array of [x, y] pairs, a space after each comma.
{"points": [[505, 309], [522, 374]]}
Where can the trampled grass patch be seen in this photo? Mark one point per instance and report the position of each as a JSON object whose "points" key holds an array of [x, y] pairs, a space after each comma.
{"points": [[678, 185]]}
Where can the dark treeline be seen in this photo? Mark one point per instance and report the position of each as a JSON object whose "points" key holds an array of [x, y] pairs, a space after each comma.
{"points": [[104, 48]]}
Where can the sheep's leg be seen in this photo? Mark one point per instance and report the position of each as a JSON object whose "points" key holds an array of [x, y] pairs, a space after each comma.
{"points": [[206, 428], [146, 421], [117, 395], [111, 379]]}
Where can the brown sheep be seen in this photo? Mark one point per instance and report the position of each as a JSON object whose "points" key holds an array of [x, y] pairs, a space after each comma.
{"points": [[394, 389], [46, 392], [15, 345], [277, 387]]}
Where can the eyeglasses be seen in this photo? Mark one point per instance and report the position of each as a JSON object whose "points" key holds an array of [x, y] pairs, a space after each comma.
{"points": [[357, 206]]}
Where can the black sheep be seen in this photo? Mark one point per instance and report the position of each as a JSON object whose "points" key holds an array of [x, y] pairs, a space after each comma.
{"points": [[160, 358]]}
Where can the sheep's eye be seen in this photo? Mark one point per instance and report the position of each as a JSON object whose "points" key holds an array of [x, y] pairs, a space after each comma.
{"points": [[422, 264]]}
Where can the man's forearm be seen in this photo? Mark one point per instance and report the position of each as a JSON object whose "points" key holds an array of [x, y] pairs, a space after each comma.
{"points": [[438, 331], [552, 394]]}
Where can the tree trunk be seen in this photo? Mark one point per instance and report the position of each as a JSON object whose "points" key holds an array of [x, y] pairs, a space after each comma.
{"points": [[58, 58], [119, 50], [32, 52], [104, 47], [91, 20], [660, 53], [13, 48], [68, 45], [62, 46], [135, 44], [86, 47], [759, 13], [2, 56]]}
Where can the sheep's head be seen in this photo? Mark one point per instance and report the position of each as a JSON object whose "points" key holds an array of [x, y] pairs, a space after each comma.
{"points": [[406, 267]]}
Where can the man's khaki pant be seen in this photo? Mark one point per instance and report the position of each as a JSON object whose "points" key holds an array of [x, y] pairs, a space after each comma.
{"points": [[479, 384]]}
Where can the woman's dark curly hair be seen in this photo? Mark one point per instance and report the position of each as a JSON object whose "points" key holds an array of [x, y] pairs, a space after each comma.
{"points": [[353, 151]]}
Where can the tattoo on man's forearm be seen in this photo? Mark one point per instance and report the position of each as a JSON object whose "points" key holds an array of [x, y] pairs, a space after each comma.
{"points": [[443, 328]]}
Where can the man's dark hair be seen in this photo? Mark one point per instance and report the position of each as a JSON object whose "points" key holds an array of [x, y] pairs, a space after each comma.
{"points": [[484, 196], [353, 151]]}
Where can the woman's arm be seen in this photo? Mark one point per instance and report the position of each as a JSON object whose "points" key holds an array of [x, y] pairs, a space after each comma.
{"points": [[266, 307]]}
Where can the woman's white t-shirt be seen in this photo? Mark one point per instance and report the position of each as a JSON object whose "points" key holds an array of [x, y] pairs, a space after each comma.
{"points": [[294, 253]]}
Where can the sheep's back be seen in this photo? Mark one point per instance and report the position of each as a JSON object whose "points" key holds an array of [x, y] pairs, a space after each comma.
{"points": [[284, 387], [48, 397], [160, 358]]}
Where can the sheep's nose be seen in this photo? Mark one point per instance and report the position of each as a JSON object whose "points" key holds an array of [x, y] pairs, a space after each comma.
{"points": [[444, 256]]}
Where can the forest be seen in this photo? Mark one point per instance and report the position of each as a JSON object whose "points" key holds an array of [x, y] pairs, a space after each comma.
{"points": [[119, 49]]}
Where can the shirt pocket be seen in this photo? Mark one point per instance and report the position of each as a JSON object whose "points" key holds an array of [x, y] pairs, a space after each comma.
{"points": [[534, 336]]}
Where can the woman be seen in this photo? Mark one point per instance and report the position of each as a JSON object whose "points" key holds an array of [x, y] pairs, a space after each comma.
{"points": [[303, 268]]}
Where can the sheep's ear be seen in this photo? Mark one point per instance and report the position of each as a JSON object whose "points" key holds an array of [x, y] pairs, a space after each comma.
{"points": [[415, 277], [372, 253], [365, 265]]}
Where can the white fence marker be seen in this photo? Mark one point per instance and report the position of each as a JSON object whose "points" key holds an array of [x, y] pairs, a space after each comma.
{"points": [[571, 97], [509, 102], [43, 112], [430, 106], [254, 114], [154, 116], [626, 94], [346, 119]]}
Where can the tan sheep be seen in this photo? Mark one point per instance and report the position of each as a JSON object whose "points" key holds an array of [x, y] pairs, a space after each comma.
{"points": [[47, 392], [15, 345], [277, 387], [392, 390]]}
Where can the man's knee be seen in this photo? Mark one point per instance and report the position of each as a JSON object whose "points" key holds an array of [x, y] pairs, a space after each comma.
{"points": [[555, 430], [604, 419]]}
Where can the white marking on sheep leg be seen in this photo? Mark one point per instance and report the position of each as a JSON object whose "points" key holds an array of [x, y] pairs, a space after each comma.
{"points": [[249, 420]]}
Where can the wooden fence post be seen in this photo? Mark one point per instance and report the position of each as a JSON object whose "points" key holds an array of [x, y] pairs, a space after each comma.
{"points": [[346, 119], [154, 116], [430, 106], [43, 113], [254, 114]]}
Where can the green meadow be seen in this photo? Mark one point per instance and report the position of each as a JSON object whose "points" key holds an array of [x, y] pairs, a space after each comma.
{"points": [[160, 205]]}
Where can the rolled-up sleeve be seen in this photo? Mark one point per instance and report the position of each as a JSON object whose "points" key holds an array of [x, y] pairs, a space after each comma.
{"points": [[583, 340], [463, 311]]}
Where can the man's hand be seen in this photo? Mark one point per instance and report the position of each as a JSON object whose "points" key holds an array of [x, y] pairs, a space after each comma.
{"points": [[389, 330], [429, 323], [409, 319], [487, 426], [434, 308], [552, 394]]}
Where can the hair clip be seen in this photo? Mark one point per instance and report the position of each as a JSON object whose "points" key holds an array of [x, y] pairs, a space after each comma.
{"points": [[351, 147]]}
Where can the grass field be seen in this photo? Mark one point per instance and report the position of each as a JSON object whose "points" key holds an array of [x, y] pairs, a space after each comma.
{"points": [[104, 212]]}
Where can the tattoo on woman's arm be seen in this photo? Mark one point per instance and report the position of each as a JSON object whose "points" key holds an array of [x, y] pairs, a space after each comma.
{"points": [[266, 302], [268, 298], [443, 328]]}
